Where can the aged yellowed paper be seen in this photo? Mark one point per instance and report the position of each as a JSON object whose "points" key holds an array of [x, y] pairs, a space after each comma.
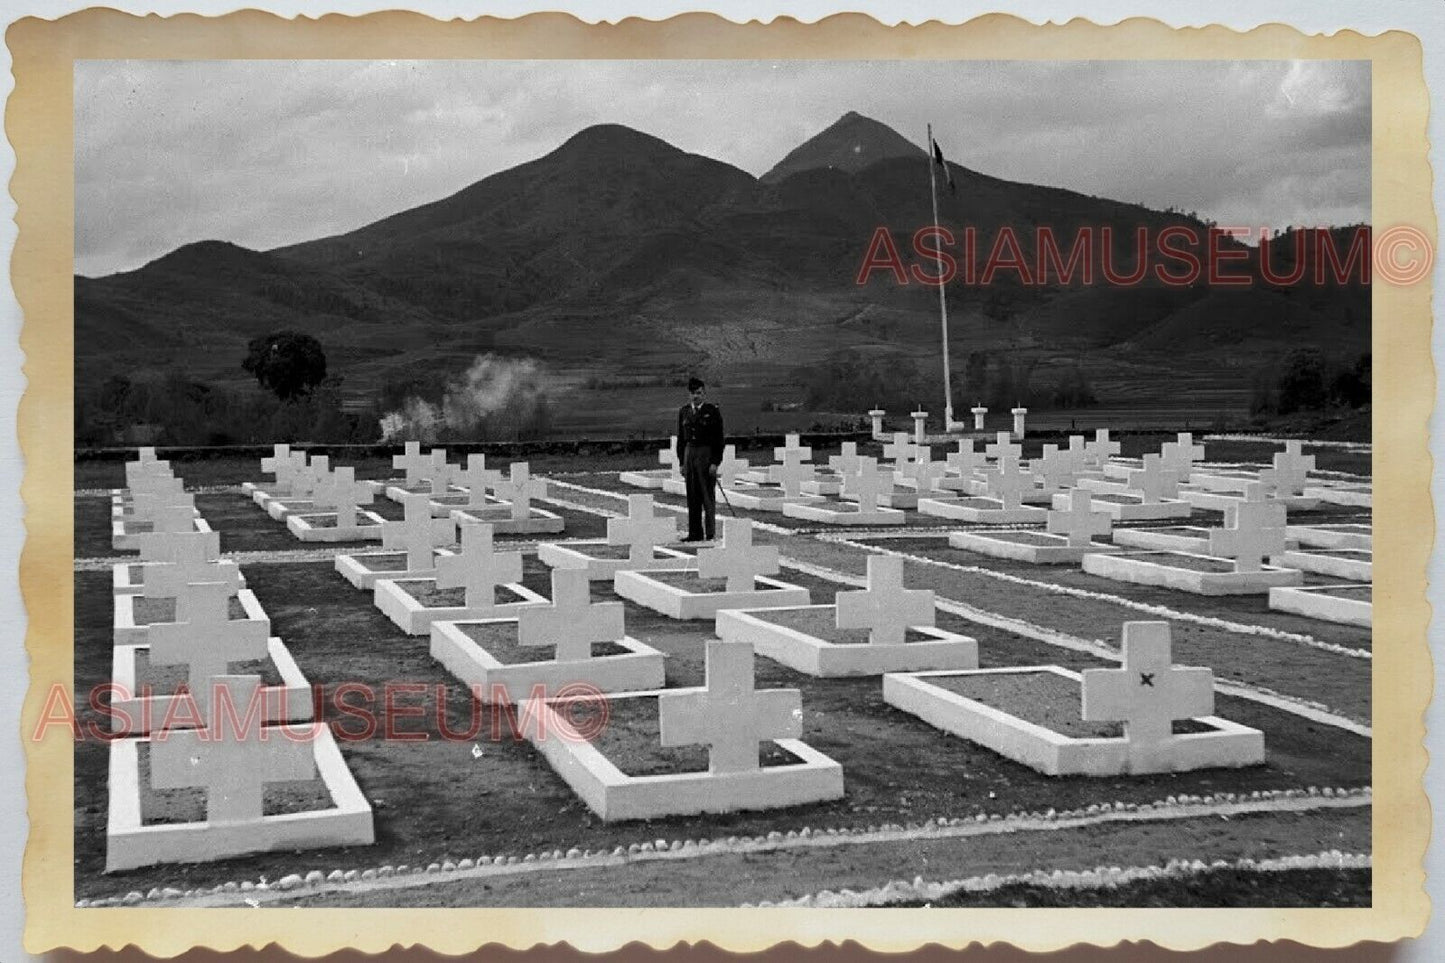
{"points": [[571, 298]]}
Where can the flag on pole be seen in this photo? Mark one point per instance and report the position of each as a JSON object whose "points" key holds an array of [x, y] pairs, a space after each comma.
{"points": [[938, 159]]}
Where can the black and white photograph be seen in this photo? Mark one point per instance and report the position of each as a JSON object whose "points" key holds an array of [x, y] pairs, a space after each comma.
{"points": [[759, 483]]}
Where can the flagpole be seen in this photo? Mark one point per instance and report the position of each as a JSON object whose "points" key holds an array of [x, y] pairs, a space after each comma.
{"points": [[942, 299]]}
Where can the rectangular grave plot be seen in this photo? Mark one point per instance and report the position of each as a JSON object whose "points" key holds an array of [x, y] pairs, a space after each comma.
{"points": [[425, 593], [162, 807], [147, 827], [152, 611], [499, 638], [1187, 572], [1034, 717], [671, 781], [820, 621], [142, 699], [806, 638]]}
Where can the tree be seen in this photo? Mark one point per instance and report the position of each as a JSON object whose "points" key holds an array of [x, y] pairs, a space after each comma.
{"points": [[1302, 382], [287, 363]]}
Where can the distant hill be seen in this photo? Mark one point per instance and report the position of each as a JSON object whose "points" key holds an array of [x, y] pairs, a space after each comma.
{"points": [[619, 256], [851, 144]]}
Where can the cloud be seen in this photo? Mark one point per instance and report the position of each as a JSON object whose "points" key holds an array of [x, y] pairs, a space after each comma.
{"points": [[268, 153]]}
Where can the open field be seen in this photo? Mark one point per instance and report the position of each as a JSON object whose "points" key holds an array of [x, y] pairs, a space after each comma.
{"points": [[453, 783]]}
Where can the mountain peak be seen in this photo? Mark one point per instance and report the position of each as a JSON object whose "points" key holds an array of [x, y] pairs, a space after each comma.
{"points": [[852, 143]]}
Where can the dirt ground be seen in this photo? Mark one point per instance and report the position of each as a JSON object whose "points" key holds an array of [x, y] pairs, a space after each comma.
{"points": [[448, 778]]}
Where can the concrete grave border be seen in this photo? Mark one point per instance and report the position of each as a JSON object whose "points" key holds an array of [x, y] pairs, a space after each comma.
{"points": [[130, 845], [1315, 602], [289, 702], [571, 555], [1051, 753], [409, 615], [614, 796], [127, 632], [640, 668], [1137, 568], [635, 586], [823, 659]]}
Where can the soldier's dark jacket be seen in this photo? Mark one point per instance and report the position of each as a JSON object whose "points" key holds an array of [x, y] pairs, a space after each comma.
{"points": [[705, 429]]}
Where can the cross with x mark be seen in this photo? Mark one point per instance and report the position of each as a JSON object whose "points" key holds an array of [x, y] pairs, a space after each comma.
{"points": [[1149, 692], [520, 489], [413, 462]]}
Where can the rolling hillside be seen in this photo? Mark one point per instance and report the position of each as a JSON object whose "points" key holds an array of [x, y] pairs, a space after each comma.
{"points": [[619, 256]]}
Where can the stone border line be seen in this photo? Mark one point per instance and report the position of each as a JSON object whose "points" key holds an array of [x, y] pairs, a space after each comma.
{"points": [[1101, 877], [315, 883]]}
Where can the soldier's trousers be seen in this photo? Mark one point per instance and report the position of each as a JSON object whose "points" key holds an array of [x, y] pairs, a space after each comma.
{"points": [[701, 493]]}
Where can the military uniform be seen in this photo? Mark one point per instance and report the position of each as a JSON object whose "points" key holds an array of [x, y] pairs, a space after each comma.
{"points": [[699, 447]]}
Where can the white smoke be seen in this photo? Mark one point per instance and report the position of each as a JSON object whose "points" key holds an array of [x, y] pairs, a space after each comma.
{"points": [[494, 398]]}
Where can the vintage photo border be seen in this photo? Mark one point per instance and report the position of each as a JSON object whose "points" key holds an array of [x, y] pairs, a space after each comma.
{"points": [[39, 125]]}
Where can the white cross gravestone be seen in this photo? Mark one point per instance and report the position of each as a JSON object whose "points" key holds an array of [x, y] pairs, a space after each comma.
{"points": [[1078, 457], [1003, 449], [191, 562], [792, 471], [1008, 482], [846, 462], [316, 475], [1154, 482], [231, 762], [417, 533], [867, 484], [1054, 470], [179, 517], [478, 479], [965, 461], [175, 546], [277, 463], [886, 609], [144, 454], [737, 559], [343, 493], [1290, 472], [439, 472], [729, 716], [413, 462], [925, 472], [572, 622], [1148, 693], [1254, 529], [1080, 523], [145, 504], [728, 468], [900, 451], [478, 568], [1181, 454], [206, 639], [520, 489], [667, 457], [641, 531], [1101, 449], [792, 442]]}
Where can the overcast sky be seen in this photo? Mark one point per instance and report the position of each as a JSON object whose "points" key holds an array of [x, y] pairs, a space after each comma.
{"points": [[267, 153]]}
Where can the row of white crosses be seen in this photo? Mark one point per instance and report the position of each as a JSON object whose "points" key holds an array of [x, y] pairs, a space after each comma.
{"points": [[1291, 469]]}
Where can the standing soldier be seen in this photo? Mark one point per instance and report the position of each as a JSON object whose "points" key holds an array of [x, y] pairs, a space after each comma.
{"points": [[699, 452]]}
